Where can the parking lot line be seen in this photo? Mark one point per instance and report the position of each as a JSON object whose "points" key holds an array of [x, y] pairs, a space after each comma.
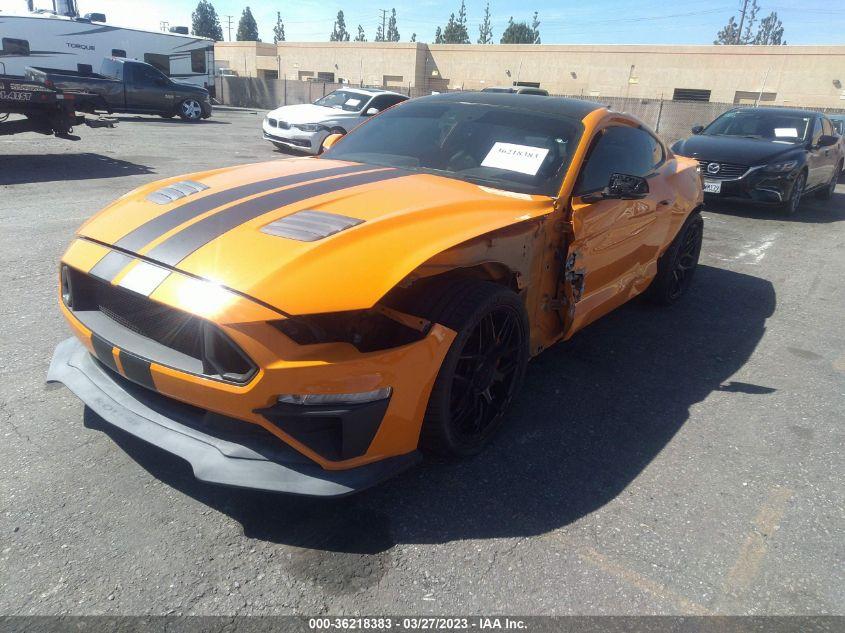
{"points": [[753, 550], [643, 583]]}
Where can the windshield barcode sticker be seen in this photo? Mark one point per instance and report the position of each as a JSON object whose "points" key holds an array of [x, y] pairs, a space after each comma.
{"points": [[520, 158], [786, 132], [352, 102]]}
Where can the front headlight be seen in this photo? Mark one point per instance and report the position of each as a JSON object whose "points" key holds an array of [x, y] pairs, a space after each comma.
{"points": [[308, 127], [780, 167]]}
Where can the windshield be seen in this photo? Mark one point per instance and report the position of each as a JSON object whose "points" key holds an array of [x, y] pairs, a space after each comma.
{"points": [[785, 127], [505, 147], [343, 100]]}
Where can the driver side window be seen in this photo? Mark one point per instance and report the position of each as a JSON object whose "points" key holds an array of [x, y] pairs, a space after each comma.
{"points": [[619, 150]]}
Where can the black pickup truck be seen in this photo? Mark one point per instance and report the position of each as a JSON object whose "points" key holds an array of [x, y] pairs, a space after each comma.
{"points": [[131, 86]]}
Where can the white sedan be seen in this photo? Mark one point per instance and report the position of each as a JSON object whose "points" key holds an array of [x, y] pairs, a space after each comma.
{"points": [[305, 126]]}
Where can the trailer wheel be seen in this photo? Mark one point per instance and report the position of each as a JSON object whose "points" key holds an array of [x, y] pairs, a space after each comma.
{"points": [[190, 110]]}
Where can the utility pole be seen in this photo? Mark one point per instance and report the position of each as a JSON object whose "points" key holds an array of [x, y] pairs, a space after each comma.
{"points": [[741, 21], [229, 25], [383, 24]]}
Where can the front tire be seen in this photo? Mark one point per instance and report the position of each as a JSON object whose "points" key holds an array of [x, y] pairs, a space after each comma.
{"points": [[790, 206], [676, 267], [827, 192], [483, 369], [190, 110]]}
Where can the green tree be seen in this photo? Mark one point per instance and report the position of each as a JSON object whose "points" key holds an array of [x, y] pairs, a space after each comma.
{"points": [[361, 37], [518, 33], [413, 37], [339, 33], [392, 30], [729, 34], [279, 29], [455, 31], [485, 29], [205, 21], [770, 32], [247, 28], [535, 28], [438, 36]]}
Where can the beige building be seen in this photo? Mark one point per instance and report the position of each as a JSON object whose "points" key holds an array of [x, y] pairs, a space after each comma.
{"points": [[783, 75]]}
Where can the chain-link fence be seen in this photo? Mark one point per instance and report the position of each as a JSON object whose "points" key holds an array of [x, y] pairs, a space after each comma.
{"points": [[671, 120]]}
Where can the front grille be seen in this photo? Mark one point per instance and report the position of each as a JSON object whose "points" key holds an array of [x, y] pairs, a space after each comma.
{"points": [[726, 171], [200, 346]]}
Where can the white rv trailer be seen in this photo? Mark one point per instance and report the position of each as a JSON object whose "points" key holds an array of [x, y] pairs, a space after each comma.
{"points": [[57, 37]]}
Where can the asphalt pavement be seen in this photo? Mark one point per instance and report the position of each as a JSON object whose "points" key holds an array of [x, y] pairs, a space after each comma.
{"points": [[665, 461]]}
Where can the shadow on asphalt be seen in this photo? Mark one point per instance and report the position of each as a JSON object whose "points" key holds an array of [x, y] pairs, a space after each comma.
{"points": [[132, 119], [811, 211], [28, 168], [593, 413]]}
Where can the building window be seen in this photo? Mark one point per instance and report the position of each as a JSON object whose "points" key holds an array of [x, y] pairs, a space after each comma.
{"points": [[749, 97], [117, 52], [305, 75], [162, 62], [268, 74], [690, 94], [12, 46], [198, 62], [392, 80], [329, 77]]}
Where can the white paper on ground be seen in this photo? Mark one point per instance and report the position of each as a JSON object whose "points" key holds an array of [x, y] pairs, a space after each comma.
{"points": [[521, 158], [786, 132]]}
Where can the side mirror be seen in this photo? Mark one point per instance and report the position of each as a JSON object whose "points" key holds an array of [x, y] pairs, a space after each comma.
{"points": [[697, 129], [625, 187], [371, 111], [330, 140], [826, 140]]}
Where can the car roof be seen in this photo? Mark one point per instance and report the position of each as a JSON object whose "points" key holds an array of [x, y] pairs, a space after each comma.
{"points": [[563, 106], [370, 92], [771, 110]]}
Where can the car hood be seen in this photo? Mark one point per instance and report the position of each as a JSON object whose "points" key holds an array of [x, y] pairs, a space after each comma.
{"points": [[309, 113], [732, 149], [226, 229]]}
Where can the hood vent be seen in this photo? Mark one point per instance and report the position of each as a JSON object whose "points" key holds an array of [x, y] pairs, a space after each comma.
{"points": [[310, 226], [177, 190]]}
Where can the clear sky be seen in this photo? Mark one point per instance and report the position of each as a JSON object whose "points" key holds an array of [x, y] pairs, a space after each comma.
{"points": [[561, 21]]}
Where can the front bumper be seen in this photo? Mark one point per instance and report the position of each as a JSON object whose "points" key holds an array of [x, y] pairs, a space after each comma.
{"points": [[310, 142], [220, 450], [757, 185]]}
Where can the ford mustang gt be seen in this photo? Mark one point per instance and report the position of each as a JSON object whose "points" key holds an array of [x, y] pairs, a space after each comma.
{"points": [[311, 325]]}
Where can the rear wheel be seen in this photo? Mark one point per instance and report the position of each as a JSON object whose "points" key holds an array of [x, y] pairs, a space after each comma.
{"points": [[676, 267], [827, 192], [190, 110], [790, 206], [483, 369]]}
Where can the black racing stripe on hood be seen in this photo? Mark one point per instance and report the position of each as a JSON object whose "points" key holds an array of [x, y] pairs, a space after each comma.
{"points": [[158, 226], [179, 246]]}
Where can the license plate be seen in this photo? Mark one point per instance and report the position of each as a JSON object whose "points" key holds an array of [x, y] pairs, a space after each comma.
{"points": [[712, 186]]}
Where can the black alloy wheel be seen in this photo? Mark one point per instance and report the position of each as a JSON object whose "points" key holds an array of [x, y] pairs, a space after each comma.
{"points": [[484, 367]]}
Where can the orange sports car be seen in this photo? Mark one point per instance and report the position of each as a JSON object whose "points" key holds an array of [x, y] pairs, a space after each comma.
{"points": [[309, 325]]}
